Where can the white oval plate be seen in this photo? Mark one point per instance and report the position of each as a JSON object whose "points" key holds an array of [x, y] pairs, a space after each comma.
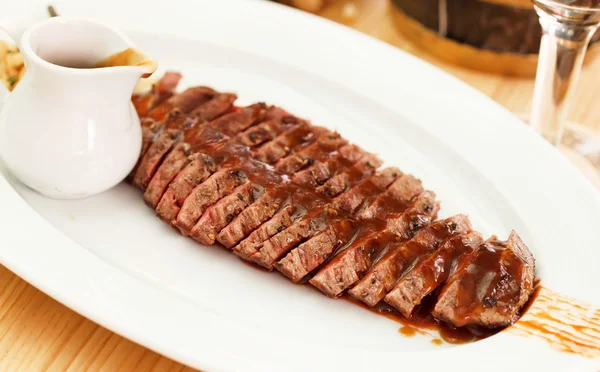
{"points": [[110, 259]]}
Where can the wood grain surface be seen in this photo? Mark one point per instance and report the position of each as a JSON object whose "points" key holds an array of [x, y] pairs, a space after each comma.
{"points": [[38, 334]]}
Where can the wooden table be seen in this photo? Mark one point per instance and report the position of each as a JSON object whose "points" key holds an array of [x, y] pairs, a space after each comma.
{"points": [[38, 333]]}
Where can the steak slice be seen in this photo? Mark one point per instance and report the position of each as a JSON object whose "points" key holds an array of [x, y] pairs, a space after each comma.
{"points": [[210, 110], [301, 135], [153, 157], [210, 140], [320, 172], [348, 266], [199, 168], [174, 120], [257, 213], [389, 205], [160, 91], [361, 193], [430, 273], [284, 241], [386, 270], [207, 193], [316, 221], [271, 202], [342, 181], [293, 209], [489, 286], [323, 146], [178, 157], [185, 101], [224, 211], [309, 255], [268, 130]]}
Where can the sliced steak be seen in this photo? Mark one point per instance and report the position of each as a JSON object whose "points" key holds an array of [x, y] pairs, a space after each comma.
{"points": [[210, 110], [430, 273], [153, 157], [268, 130], [284, 241], [211, 140], [173, 163], [270, 203], [489, 286], [174, 120], [342, 181], [301, 135], [387, 269], [257, 213], [318, 218], [224, 211], [199, 168], [348, 266], [338, 236], [177, 158], [207, 193], [323, 146], [292, 210], [389, 205], [185, 101], [320, 172], [365, 190], [160, 91]]}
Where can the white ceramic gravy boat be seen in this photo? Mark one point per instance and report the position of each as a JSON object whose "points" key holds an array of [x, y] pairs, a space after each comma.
{"points": [[71, 132]]}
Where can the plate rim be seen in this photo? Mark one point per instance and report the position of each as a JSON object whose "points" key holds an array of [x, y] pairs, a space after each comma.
{"points": [[78, 297]]}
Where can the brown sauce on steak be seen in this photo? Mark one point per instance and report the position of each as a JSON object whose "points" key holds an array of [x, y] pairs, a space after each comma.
{"points": [[240, 169], [421, 322]]}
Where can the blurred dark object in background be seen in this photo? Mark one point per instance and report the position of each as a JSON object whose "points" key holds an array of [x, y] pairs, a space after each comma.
{"points": [[498, 36]]}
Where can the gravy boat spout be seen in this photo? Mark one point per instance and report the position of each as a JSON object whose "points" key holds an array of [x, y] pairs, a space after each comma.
{"points": [[69, 129]]}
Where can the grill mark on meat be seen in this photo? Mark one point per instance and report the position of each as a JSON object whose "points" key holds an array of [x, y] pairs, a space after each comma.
{"points": [[310, 255], [316, 220], [348, 266], [317, 151], [430, 273], [489, 286], [386, 270]]}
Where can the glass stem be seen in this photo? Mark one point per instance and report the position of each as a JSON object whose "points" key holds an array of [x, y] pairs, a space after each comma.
{"points": [[561, 56]]}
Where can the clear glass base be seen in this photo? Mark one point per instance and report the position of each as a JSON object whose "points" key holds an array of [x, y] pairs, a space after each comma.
{"points": [[581, 145]]}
